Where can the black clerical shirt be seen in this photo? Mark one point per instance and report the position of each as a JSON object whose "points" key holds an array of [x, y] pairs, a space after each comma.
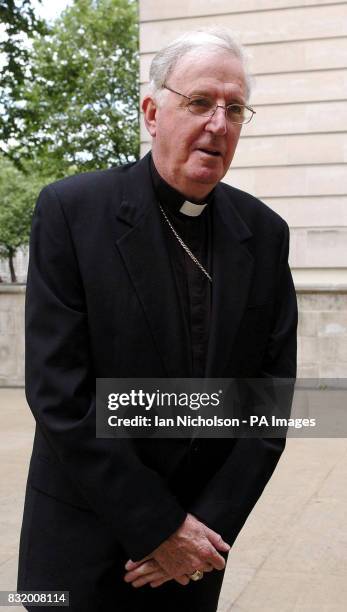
{"points": [[194, 288]]}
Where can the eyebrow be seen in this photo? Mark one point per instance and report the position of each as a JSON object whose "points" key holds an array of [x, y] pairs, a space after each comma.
{"points": [[209, 95], [200, 93]]}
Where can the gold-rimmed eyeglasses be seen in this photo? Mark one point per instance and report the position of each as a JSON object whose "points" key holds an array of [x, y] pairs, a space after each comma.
{"points": [[204, 106]]}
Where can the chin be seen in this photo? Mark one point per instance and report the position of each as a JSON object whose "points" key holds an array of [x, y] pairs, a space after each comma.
{"points": [[206, 177], [207, 174]]}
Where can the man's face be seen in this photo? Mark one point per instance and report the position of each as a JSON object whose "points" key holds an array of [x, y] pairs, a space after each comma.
{"points": [[181, 140]]}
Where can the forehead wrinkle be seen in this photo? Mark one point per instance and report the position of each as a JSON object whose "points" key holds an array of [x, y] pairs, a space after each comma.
{"points": [[232, 92], [211, 75], [192, 66]]}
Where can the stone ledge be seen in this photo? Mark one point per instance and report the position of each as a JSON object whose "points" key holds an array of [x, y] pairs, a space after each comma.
{"points": [[299, 287], [320, 288], [12, 287]]}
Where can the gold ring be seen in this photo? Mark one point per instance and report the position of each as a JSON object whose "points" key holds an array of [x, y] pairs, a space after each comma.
{"points": [[197, 575]]}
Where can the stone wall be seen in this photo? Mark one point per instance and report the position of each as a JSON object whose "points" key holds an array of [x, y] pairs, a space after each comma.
{"points": [[322, 342], [12, 335], [322, 334], [20, 265], [293, 153]]}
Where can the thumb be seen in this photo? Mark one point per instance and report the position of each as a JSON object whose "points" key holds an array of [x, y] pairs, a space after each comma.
{"points": [[131, 565], [216, 539]]}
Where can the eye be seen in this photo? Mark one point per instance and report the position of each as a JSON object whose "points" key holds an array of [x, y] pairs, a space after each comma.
{"points": [[206, 102], [235, 110], [200, 105]]}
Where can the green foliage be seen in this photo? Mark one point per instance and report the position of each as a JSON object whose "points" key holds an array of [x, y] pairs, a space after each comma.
{"points": [[80, 108], [18, 24], [18, 193], [68, 102]]}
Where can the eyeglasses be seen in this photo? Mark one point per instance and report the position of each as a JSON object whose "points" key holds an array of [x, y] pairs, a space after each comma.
{"points": [[204, 106]]}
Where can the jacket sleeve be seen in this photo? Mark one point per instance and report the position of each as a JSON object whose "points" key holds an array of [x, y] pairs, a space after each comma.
{"points": [[228, 499], [133, 500]]}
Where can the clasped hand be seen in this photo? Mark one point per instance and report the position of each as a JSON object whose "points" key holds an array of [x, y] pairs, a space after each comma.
{"points": [[192, 547]]}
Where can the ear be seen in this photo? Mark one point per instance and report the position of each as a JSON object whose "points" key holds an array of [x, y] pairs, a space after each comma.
{"points": [[149, 108]]}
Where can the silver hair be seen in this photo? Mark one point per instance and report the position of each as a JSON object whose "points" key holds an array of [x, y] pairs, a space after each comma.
{"points": [[210, 39]]}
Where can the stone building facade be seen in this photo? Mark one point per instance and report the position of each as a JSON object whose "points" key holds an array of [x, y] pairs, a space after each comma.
{"points": [[293, 154]]}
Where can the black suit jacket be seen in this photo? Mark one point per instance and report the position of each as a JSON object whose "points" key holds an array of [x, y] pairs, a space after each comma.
{"points": [[102, 302]]}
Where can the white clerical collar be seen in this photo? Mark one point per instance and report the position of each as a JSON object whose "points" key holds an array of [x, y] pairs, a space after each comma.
{"points": [[192, 210]]}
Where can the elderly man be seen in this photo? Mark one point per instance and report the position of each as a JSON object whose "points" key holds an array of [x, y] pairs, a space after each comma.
{"points": [[153, 269]]}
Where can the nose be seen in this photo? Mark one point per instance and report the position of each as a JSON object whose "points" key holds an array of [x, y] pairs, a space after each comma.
{"points": [[217, 124]]}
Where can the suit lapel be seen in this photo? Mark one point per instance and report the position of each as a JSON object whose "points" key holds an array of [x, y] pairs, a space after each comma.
{"points": [[145, 255], [232, 266]]}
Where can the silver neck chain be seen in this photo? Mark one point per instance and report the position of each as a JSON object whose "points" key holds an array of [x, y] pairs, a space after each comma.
{"points": [[184, 246]]}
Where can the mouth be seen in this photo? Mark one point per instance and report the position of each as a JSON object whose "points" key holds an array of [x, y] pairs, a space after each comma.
{"points": [[211, 152]]}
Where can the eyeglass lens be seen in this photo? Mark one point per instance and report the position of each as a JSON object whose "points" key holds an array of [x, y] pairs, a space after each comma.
{"points": [[206, 107]]}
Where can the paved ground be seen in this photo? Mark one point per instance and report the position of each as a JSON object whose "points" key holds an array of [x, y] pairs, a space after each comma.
{"points": [[292, 553]]}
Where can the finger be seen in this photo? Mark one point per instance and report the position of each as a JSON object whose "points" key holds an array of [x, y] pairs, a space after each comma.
{"points": [[216, 539], [207, 568], [183, 580], [132, 564], [201, 567], [158, 583], [216, 560], [147, 568], [154, 576]]}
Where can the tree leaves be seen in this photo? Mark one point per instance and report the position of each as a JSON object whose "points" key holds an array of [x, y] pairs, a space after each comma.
{"points": [[69, 100], [80, 108], [17, 198], [18, 25]]}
